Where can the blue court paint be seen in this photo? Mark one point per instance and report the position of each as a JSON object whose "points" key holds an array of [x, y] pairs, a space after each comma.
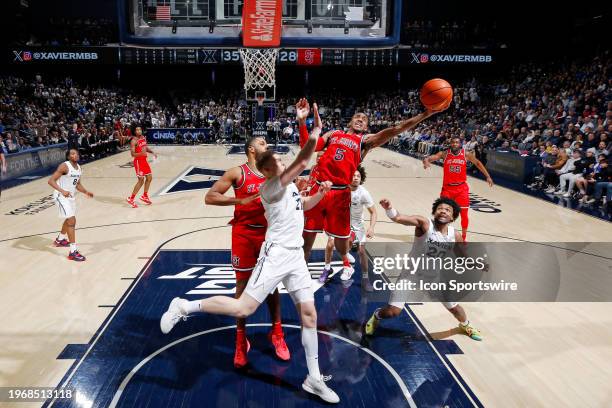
{"points": [[73, 352], [198, 370]]}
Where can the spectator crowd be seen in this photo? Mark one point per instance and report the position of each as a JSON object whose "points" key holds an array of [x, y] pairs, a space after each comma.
{"points": [[559, 113]]}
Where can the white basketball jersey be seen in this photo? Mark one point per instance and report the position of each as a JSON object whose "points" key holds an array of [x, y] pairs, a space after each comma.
{"points": [[359, 198], [434, 243], [70, 180], [285, 217]]}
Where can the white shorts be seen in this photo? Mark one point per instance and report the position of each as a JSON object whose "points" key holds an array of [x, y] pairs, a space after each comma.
{"points": [[66, 206], [360, 235], [275, 265]]}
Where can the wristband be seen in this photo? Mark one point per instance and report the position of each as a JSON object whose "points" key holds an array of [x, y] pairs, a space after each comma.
{"points": [[391, 213]]}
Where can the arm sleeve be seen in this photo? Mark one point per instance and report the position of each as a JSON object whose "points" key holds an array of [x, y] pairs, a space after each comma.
{"points": [[304, 138], [272, 190]]}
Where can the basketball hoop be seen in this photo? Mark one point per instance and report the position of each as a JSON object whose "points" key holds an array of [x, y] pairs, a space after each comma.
{"points": [[259, 69]]}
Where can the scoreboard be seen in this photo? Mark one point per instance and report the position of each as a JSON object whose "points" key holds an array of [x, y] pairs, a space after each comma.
{"points": [[372, 57], [302, 56]]}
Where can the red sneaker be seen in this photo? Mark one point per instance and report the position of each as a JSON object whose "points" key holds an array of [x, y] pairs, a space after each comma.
{"points": [[240, 355], [76, 256], [131, 202], [61, 243], [280, 347], [145, 199]]}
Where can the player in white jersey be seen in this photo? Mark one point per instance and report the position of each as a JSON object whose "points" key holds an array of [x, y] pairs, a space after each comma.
{"points": [[434, 231], [281, 258], [360, 197], [66, 181]]}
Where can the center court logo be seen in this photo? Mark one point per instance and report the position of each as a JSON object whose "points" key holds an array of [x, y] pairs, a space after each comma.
{"points": [[220, 279]]}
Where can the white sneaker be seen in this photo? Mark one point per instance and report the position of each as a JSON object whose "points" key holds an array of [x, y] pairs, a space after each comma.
{"points": [[550, 190], [318, 387], [347, 272], [567, 195], [560, 192], [350, 257], [172, 316]]}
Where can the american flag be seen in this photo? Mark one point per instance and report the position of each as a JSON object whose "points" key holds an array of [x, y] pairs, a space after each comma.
{"points": [[162, 13]]}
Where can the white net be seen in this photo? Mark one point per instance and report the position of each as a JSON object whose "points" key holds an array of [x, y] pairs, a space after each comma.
{"points": [[259, 67]]}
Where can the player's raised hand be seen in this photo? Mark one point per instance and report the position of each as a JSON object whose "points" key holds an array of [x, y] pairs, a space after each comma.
{"points": [[302, 109], [317, 118], [385, 203], [324, 187]]}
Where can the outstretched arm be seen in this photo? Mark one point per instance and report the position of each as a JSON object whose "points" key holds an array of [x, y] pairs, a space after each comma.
{"points": [[471, 157], [303, 157], [433, 158], [421, 223], [382, 137]]}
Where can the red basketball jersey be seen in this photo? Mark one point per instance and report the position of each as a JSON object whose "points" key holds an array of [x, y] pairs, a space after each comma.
{"points": [[141, 146], [340, 160], [455, 168], [253, 212]]}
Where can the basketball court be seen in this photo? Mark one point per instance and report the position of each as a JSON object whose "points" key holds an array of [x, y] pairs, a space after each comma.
{"points": [[94, 326]]}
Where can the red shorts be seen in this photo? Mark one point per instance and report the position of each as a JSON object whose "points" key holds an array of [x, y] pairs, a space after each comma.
{"points": [[246, 243], [460, 193], [332, 214], [142, 168]]}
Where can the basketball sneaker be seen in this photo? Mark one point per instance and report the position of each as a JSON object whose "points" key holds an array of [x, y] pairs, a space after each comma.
{"points": [[471, 331], [325, 274], [131, 202], [61, 242], [145, 199], [172, 316], [280, 347], [347, 272], [372, 324], [350, 257], [242, 349], [318, 387], [76, 256]]}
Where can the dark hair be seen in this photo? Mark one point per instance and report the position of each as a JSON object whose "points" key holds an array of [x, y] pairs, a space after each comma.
{"points": [[263, 159], [250, 141], [447, 201], [68, 152], [362, 173]]}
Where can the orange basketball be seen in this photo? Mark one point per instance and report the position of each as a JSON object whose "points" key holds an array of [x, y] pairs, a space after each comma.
{"points": [[436, 94]]}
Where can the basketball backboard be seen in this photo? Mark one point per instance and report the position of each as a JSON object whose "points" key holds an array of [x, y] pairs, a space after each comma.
{"points": [[306, 23]]}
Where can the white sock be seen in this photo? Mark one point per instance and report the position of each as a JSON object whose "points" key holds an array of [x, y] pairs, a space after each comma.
{"points": [[192, 307], [61, 236], [311, 348], [73, 246], [465, 323], [327, 265]]}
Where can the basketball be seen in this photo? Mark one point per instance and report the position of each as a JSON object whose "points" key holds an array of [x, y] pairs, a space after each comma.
{"points": [[436, 94]]}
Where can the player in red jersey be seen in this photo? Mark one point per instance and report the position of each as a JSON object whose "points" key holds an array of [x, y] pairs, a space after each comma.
{"points": [[248, 234], [454, 183], [139, 149], [344, 152]]}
